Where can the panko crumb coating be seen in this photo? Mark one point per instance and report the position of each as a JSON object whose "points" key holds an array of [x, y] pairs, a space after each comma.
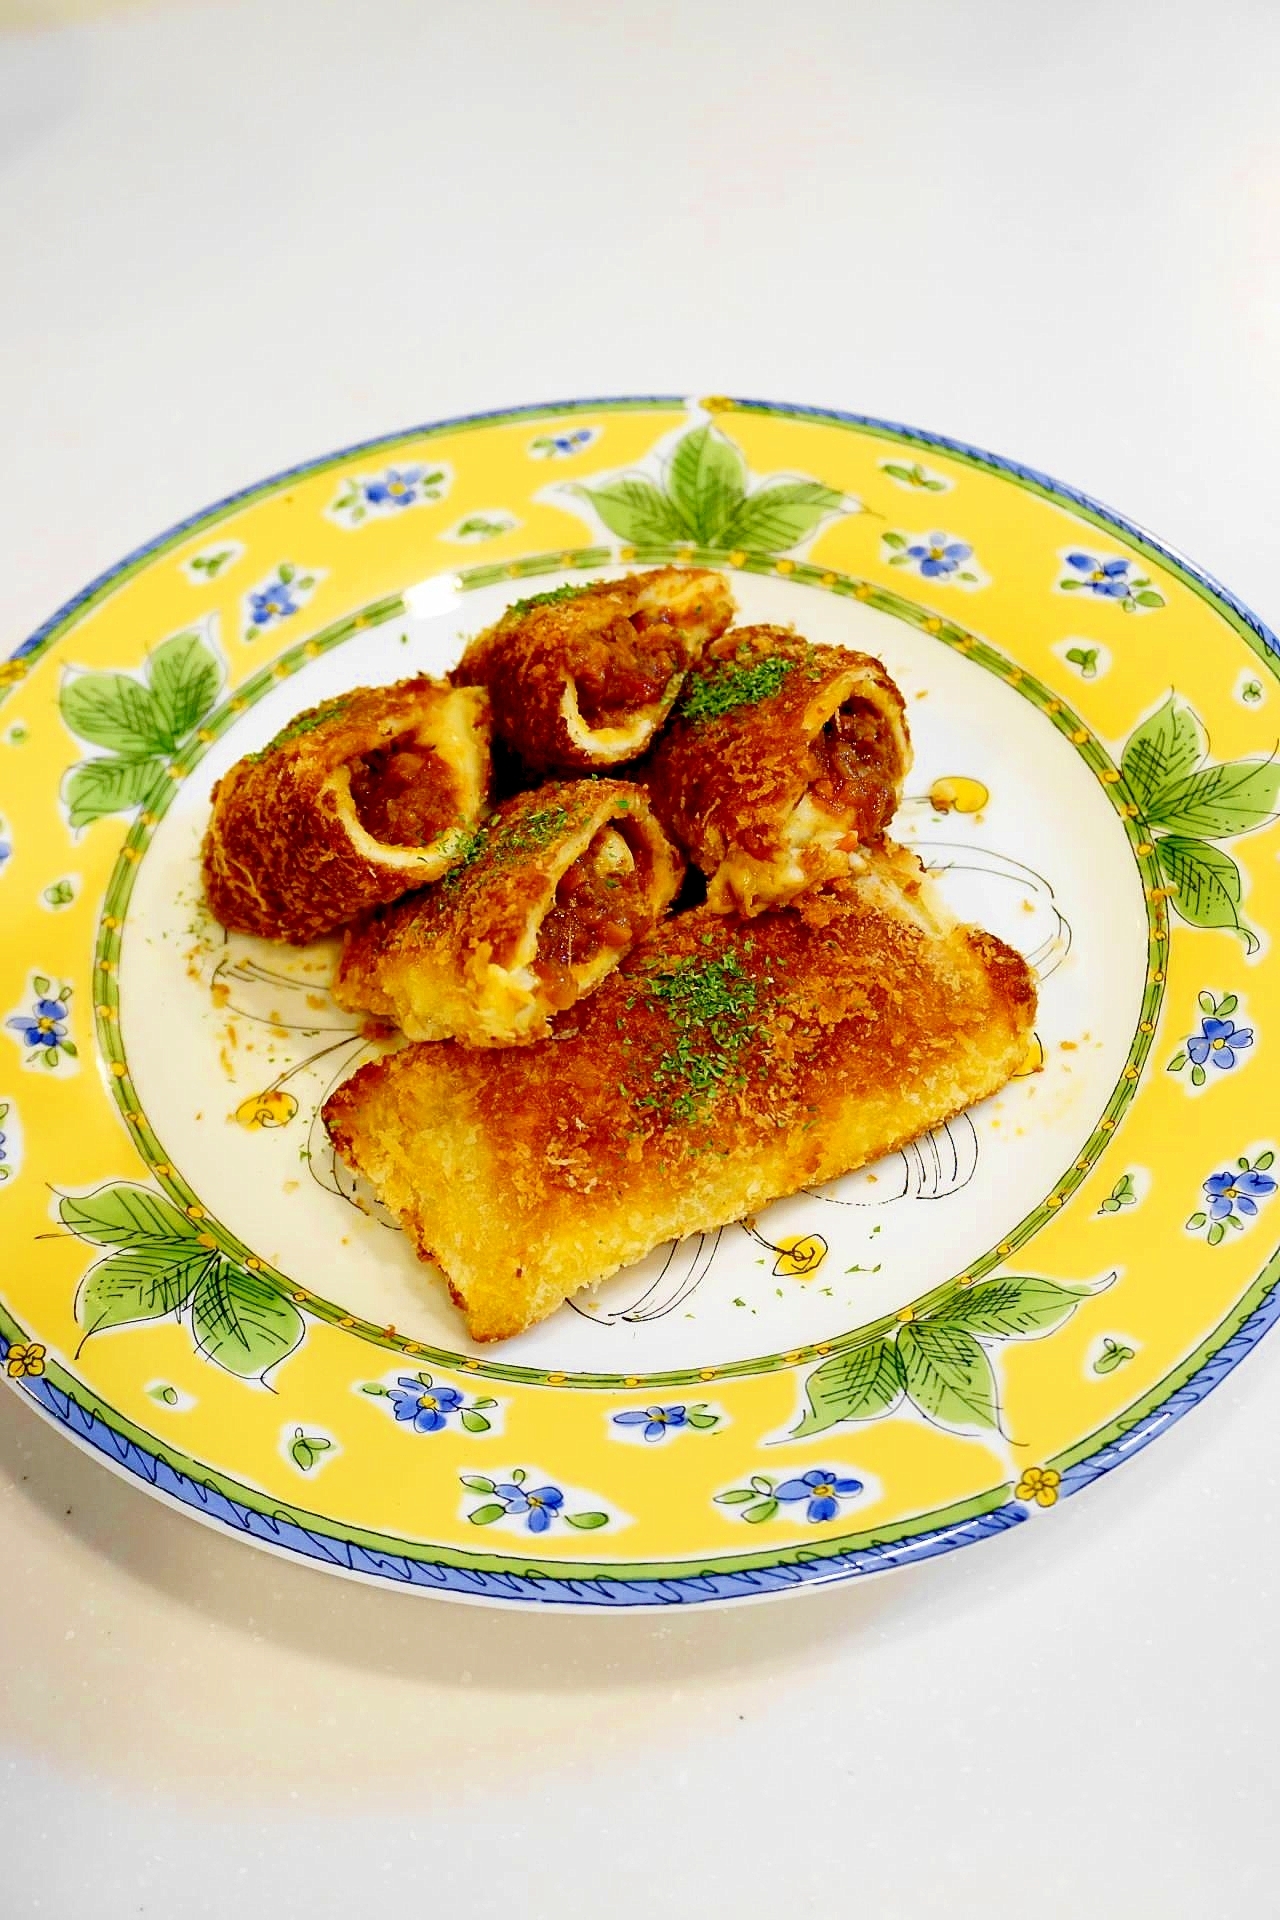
{"points": [[582, 678], [783, 763], [354, 803], [725, 1064]]}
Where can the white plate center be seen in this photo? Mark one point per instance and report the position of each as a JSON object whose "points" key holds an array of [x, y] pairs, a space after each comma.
{"points": [[209, 1026]]}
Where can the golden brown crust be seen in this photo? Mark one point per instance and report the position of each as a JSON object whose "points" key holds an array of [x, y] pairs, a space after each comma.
{"points": [[583, 679], [553, 890], [743, 777], [285, 853], [725, 1064]]}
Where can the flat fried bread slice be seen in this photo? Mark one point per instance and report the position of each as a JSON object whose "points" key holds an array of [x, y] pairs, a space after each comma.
{"points": [[725, 1064]]}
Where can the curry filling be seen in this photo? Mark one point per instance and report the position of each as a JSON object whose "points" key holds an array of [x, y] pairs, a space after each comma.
{"points": [[404, 794], [855, 768], [601, 904], [625, 668]]}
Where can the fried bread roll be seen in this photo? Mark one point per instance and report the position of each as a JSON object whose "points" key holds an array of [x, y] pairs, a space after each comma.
{"points": [[583, 677], [352, 804], [553, 891], [725, 1064], [785, 760]]}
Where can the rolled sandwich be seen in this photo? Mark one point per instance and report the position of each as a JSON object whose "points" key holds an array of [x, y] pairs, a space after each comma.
{"points": [[723, 1065], [583, 677], [783, 764], [352, 804], [554, 889]]}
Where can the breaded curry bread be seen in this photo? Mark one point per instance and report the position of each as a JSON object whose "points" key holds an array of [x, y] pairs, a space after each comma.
{"points": [[353, 804], [582, 678], [726, 1063], [553, 890], [784, 762]]}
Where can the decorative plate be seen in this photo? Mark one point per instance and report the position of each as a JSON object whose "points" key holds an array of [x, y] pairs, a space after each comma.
{"points": [[925, 1353]]}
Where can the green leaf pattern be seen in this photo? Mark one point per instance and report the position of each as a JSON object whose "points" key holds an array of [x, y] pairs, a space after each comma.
{"points": [[1014, 1309], [948, 1375], [307, 1450], [209, 564], [184, 680], [241, 1322], [138, 722], [778, 518], [1123, 1194], [1206, 885], [96, 788], [938, 1362], [638, 512], [115, 711], [1162, 751], [864, 1384], [1084, 660], [140, 1283], [159, 1262], [1189, 803], [914, 476], [1115, 1353], [707, 484], [482, 526], [703, 498], [1217, 803], [124, 1216]]}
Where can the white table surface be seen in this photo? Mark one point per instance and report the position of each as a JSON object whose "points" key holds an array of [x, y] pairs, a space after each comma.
{"points": [[234, 236]]}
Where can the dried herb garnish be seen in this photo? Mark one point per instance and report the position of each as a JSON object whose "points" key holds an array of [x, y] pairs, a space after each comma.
{"points": [[472, 846], [530, 832], [305, 722], [502, 842], [733, 683], [711, 1005], [548, 599]]}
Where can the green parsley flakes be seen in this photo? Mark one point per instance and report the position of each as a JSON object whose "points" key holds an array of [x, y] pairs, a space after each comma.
{"points": [[711, 1005], [548, 599], [502, 842], [734, 683], [305, 723]]}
